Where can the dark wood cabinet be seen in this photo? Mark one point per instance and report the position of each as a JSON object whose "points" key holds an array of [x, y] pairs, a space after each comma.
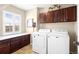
{"points": [[13, 44], [4, 46], [25, 40], [57, 16], [50, 17], [42, 18], [19, 42], [71, 14], [62, 15], [46, 17]]}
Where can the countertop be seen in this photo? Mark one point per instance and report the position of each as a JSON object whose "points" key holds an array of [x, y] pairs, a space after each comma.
{"points": [[4, 37]]}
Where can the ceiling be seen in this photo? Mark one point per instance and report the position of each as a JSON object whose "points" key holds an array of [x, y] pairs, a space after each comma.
{"points": [[31, 6]]}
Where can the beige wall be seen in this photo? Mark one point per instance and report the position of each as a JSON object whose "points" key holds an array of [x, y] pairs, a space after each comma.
{"points": [[69, 26], [31, 14], [15, 10]]}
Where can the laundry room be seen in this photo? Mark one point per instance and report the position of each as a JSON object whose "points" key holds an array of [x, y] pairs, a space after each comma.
{"points": [[38, 29]]}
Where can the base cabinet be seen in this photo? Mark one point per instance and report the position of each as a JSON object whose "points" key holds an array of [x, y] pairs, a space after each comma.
{"points": [[25, 40], [19, 42], [5, 46], [13, 44]]}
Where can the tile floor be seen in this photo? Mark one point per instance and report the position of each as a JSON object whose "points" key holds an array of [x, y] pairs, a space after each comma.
{"points": [[25, 50]]}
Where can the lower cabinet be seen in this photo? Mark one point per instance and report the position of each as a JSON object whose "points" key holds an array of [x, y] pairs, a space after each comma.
{"points": [[25, 40], [5, 46], [13, 44], [19, 42]]}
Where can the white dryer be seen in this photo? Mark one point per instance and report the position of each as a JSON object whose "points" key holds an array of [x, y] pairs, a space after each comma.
{"points": [[58, 43]]}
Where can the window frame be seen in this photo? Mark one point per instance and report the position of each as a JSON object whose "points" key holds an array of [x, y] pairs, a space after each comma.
{"points": [[13, 23]]}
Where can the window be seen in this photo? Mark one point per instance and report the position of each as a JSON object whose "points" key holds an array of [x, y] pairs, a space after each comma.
{"points": [[11, 23], [8, 29]]}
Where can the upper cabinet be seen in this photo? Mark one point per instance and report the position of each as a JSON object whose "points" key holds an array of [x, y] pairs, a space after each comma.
{"points": [[62, 15], [71, 14], [50, 17], [42, 17], [56, 15]]}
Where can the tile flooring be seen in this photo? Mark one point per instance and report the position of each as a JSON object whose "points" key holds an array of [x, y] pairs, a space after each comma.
{"points": [[25, 50]]}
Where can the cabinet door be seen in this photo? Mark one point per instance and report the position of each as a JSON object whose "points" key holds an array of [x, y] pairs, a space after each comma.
{"points": [[4, 46], [22, 41], [71, 14], [63, 15], [42, 17], [50, 17], [15, 44], [27, 37], [25, 40], [57, 14]]}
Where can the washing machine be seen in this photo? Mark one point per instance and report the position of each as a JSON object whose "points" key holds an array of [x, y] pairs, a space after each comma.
{"points": [[39, 40], [39, 43]]}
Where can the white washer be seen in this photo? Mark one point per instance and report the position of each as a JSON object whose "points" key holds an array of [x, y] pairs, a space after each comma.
{"points": [[39, 42], [58, 43]]}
